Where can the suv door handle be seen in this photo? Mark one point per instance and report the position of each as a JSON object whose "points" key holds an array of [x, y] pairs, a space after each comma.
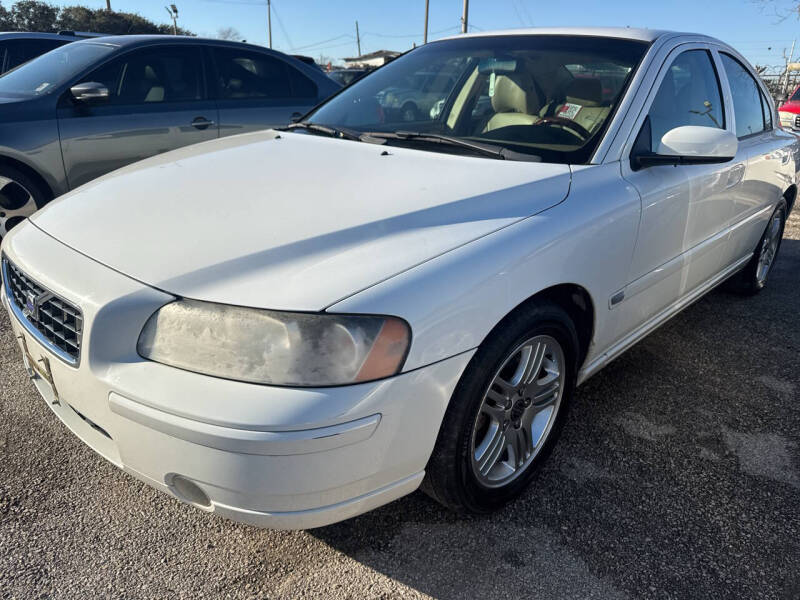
{"points": [[202, 123]]}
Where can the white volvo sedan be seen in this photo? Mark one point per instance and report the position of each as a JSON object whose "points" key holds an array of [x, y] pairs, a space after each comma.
{"points": [[289, 328]]}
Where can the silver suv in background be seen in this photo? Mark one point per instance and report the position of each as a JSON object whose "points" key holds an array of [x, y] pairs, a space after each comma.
{"points": [[93, 106]]}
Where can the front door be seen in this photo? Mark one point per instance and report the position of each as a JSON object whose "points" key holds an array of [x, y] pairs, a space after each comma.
{"points": [[686, 208], [157, 102]]}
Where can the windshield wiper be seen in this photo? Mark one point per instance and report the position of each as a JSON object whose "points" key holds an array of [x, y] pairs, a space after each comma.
{"points": [[339, 132], [499, 152]]}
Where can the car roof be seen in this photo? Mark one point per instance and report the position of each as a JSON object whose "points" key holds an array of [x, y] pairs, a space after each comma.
{"points": [[629, 33], [35, 35], [124, 41]]}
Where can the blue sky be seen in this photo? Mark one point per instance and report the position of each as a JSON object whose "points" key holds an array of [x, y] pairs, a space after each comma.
{"points": [[327, 27]]}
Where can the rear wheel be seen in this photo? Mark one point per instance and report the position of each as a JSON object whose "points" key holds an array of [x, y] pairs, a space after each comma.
{"points": [[20, 197], [753, 277], [506, 411]]}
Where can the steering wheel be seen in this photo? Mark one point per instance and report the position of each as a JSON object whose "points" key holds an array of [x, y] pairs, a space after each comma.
{"points": [[568, 125]]}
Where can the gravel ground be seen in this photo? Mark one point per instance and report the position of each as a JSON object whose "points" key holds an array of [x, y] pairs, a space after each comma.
{"points": [[678, 476]]}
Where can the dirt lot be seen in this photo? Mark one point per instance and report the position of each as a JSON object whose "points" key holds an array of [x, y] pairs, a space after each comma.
{"points": [[678, 476]]}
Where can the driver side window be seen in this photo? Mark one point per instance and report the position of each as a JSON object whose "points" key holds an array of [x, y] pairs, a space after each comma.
{"points": [[689, 94]]}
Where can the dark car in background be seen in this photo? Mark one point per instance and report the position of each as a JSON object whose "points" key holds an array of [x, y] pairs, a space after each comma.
{"points": [[19, 47], [347, 76], [93, 106]]}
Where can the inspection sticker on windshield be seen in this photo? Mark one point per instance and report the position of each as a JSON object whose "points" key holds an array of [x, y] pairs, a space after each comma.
{"points": [[569, 110]]}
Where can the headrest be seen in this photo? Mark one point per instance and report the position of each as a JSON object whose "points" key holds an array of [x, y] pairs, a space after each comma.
{"points": [[514, 92], [585, 91]]}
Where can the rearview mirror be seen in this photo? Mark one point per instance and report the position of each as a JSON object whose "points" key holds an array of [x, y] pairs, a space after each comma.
{"points": [[90, 90], [497, 65], [690, 145]]}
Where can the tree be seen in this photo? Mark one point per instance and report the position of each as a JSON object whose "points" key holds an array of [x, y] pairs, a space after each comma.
{"points": [[31, 15], [5, 18], [229, 33], [35, 15]]}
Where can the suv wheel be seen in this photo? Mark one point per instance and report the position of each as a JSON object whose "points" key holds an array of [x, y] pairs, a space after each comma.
{"points": [[20, 197]]}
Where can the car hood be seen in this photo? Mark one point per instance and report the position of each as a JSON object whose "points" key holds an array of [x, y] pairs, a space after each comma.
{"points": [[292, 221], [792, 106]]}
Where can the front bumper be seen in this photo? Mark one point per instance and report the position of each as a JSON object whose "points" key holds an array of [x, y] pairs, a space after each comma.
{"points": [[268, 456]]}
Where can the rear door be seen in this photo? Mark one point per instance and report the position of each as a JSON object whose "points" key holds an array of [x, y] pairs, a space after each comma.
{"points": [[257, 90], [158, 101], [763, 150]]}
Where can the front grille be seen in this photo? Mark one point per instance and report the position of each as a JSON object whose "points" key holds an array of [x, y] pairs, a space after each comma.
{"points": [[59, 323], [797, 122]]}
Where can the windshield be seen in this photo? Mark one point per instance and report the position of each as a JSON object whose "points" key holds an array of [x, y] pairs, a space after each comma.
{"points": [[44, 74], [549, 96]]}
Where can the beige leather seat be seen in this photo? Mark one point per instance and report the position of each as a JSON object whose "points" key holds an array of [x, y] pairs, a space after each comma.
{"points": [[515, 101], [587, 95]]}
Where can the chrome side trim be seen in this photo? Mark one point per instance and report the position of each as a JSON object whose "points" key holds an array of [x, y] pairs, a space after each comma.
{"points": [[245, 441], [657, 321], [32, 331]]}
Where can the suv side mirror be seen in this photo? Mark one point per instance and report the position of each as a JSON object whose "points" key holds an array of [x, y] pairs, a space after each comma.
{"points": [[88, 91], [689, 145]]}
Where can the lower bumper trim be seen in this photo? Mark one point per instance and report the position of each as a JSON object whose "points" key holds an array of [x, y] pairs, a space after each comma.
{"points": [[246, 441]]}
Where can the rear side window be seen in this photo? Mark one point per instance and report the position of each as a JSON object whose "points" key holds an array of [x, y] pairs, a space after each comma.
{"points": [[152, 76], [302, 86], [689, 94], [748, 105], [242, 74], [21, 51]]}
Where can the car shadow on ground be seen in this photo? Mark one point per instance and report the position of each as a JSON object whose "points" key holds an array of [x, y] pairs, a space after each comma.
{"points": [[677, 474]]}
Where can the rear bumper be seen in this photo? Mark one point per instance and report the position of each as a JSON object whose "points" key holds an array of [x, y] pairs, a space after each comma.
{"points": [[267, 456]]}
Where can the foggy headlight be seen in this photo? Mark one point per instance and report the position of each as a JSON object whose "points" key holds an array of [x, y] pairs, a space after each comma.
{"points": [[273, 347]]}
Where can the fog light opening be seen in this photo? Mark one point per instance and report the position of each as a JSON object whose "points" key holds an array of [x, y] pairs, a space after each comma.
{"points": [[189, 492]]}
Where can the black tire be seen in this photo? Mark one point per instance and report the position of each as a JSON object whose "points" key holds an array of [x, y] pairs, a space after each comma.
{"points": [[450, 478], [12, 197], [747, 281]]}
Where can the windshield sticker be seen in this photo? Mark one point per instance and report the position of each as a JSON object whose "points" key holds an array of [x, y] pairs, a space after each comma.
{"points": [[42, 87], [569, 110]]}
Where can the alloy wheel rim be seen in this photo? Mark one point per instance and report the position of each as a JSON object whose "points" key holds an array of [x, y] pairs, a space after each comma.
{"points": [[769, 248], [16, 204], [517, 411]]}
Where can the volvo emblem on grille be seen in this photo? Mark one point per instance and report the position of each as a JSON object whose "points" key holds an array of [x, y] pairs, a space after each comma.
{"points": [[32, 304]]}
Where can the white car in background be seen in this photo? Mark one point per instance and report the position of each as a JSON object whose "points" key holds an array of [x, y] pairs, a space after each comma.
{"points": [[290, 351]]}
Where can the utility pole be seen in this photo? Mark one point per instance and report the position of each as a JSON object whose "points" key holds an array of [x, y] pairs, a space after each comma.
{"points": [[425, 37], [172, 11], [269, 22], [358, 39], [465, 17], [108, 5]]}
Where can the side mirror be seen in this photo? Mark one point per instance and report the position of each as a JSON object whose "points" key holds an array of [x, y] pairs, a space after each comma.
{"points": [[690, 145], [88, 91]]}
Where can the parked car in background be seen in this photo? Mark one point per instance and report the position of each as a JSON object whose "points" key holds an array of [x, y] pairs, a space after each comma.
{"points": [[289, 350], [18, 47], [93, 106], [308, 60], [789, 111], [347, 76]]}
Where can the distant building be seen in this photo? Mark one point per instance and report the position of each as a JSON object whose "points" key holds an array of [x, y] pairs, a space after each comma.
{"points": [[373, 59]]}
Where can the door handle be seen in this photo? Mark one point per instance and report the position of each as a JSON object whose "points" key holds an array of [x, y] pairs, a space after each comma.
{"points": [[202, 123]]}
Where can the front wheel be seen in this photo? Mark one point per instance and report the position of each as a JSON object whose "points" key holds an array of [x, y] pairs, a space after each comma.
{"points": [[506, 411], [20, 197]]}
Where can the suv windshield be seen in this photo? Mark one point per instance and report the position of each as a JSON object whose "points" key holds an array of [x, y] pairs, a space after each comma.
{"points": [[44, 74], [545, 95]]}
